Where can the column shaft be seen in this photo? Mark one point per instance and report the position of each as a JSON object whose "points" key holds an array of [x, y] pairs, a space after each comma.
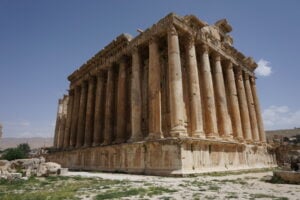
{"points": [[243, 106], [136, 98], [262, 134], [154, 91], [69, 120], [82, 115], [175, 82], [109, 108], [225, 126], [121, 103], [209, 100], [194, 91], [99, 110], [89, 121], [75, 111], [234, 103], [57, 124]]}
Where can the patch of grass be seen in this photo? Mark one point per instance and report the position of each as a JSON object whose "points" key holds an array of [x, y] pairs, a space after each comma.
{"points": [[213, 187], [237, 172], [232, 195], [116, 193], [234, 181], [260, 196]]}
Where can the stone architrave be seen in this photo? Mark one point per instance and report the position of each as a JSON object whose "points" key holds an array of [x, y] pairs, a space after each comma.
{"points": [[99, 110], [155, 130], [209, 99], [89, 122], [109, 104], [136, 98], [194, 90], [69, 119], [262, 134], [121, 103], [243, 106], [225, 125], [82, 115], [234, 103], [74, 122], [175, 83]]}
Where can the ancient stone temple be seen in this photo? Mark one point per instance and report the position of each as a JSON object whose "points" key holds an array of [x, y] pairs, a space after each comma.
{"points": [[176, 99]]}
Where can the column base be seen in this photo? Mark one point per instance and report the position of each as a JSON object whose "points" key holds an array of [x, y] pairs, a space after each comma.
{"points": [[212, 136], [153, 136], [135, 139], [227, 137], [119, 141], [105, 143], [178, 131], [198, 134], [96, 144], [239, 139]]}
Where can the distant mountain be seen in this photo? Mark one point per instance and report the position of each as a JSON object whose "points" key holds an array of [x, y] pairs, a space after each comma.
{"points": [[35, 142]]}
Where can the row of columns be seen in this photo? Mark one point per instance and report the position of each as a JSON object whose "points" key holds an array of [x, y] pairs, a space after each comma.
{"points": [[222, 99]]}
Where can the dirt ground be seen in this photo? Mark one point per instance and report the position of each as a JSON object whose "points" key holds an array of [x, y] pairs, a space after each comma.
{"points": [[230, 186]]}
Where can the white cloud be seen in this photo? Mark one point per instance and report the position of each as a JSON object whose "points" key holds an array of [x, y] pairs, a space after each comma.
{"points": [[264, 68], [281, 117]]}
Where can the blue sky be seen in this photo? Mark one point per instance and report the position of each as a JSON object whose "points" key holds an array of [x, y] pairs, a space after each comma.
{"points": [[42, 42]]}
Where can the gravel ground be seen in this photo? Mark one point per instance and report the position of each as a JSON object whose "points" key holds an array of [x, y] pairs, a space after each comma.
{"points": [[241, 186]]}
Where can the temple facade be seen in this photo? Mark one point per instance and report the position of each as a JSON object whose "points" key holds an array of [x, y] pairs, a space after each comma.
{"points": [[176, 99]]}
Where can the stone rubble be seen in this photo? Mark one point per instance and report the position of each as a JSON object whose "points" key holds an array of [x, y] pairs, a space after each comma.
{"points": [[22, 168]]}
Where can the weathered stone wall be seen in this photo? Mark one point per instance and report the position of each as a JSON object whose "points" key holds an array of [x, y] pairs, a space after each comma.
{"points": [[167, 157]]}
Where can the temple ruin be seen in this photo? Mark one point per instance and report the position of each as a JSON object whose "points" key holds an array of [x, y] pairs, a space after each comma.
{"points": [[176, 99]]}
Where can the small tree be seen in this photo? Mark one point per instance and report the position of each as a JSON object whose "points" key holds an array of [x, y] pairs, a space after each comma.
{"points": [[12, 154], [25, 148]]}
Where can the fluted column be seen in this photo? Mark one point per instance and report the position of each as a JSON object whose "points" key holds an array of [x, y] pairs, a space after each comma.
{"points": [[209, 99], [234, 103], [136, 98], [251, 107], [262, 134], [177, 107], [109, 104], [121, 103], [154, 91], [89, 121], [81, 116], [69, 119], [225, 129], [75, 111], [57, 124], [99, 110], [243, 106], [194, 90]]}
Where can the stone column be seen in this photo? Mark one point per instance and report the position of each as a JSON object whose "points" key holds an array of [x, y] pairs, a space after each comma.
{"points": [[225, 128], [234, 103], [99, 110], [177, 107], [262, 134], [109, 105], [121, 103], [209, 99], [63, 117], [75, 110], [243, 106], [154, 91], [89, 121], [57, 124], [136, 98], [251, 108], [69, 119], [194, 90], [81, 115]]}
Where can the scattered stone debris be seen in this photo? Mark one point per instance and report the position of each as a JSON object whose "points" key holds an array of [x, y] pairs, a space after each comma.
{"points": [[22, 168]]}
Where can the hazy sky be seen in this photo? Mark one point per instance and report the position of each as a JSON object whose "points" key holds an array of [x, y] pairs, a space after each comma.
{"points": [[42, 42]]}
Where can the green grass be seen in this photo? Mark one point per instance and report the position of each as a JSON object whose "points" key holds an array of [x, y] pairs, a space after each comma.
{"points": [[141, 192]]}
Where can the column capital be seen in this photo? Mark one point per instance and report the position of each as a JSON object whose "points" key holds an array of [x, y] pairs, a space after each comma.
{"points": [[204, 48], [246, 75], [135, 49], [172, 30], [228, 64], [153, 39], [216, 56]]}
